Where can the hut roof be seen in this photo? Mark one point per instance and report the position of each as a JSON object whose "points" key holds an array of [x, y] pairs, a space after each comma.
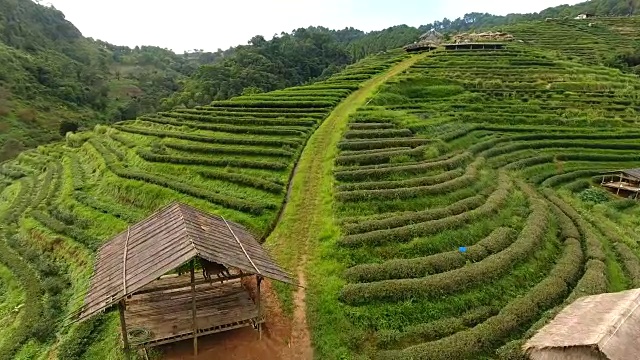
{"points": [[606, 323], [635, 173], [431, 34], [164, 241]]}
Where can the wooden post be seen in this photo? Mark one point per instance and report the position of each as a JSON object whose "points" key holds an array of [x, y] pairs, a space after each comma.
{"points": [[259, 280], [619, 185], [123, 327], [193, 309]]}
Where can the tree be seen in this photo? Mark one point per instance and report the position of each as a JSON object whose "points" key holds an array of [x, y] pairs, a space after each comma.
{"points": [[251, 90], [68, 126], [633, 5]]}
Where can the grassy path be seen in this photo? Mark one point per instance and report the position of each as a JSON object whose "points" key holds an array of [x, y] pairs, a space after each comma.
{"points": [[307, 220]]}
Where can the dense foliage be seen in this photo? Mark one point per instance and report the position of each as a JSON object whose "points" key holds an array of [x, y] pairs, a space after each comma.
{"points": [[302, 56], [477, 20], [51, 73]]}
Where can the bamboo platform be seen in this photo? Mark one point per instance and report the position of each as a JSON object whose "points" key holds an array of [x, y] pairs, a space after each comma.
{"points": [[622, 185], [166, 313]]}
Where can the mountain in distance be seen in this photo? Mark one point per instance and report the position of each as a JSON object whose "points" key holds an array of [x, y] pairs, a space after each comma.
{"points": [[54, 80]]}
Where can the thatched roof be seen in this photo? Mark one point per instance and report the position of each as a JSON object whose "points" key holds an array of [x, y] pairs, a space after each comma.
{"points": [[605, 326], [633, 173], [431, 35], [165, 241]]}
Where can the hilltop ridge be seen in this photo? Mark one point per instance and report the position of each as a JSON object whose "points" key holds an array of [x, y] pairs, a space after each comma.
{"points": [[52, 75], [53, 79]]}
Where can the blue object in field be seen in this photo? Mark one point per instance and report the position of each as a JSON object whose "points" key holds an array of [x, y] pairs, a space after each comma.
{"points": [[463, 249]]}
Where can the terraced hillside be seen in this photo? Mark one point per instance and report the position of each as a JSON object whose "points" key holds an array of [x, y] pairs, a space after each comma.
{"points": [[446, 217], [593, 41], [60, 202], [517, 87], [467, 206]]}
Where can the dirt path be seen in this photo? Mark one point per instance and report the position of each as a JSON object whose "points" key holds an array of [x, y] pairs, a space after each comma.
{"points": [[292, 242], [303, 220], [300, 338]]}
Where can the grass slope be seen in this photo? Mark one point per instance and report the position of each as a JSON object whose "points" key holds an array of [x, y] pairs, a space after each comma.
{"points": [[60, 202], [307, 222], [481, 150]]}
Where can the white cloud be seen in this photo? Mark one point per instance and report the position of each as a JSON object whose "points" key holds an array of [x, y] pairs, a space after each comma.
{"points": [[206, 24]]}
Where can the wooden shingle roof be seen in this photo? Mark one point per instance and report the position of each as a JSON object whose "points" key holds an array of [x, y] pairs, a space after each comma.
{"points": [[634, 173], [164, 241], [608, 324]]}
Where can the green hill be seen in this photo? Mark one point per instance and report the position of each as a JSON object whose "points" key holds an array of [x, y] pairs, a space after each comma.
{"points": [[602, 40], [51, 74], [448, 203], [598, 8], [492, 151], [60, 202]]}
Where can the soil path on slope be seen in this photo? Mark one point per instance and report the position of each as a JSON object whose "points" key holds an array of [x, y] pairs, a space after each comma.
{"points": [[300, 224]]}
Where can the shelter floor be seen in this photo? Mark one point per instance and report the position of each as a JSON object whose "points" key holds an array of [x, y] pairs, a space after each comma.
{"points": [[166, 314], [622, 186]]}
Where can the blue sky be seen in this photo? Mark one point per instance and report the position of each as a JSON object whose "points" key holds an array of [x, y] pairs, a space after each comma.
{"points": [[212, 24]]}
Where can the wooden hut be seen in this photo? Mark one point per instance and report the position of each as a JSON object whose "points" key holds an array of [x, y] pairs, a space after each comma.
{"points": [[432, 37], [429, 41], [205, 295], [420, 47], [584, 16], [474, 46], [623, 182], [599, 327]]}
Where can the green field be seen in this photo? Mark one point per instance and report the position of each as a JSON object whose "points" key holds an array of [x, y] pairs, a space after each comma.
{"points": [[400, 161], [58, 203], [499, 153]]}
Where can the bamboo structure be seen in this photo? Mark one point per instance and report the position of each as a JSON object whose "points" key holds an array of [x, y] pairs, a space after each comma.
{"points": [[157, 303], [624, 182], [604, 326]]}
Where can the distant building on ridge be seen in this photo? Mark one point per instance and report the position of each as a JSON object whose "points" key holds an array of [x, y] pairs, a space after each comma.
{"points": [[429, 41], [432, 36], [584, 16]]}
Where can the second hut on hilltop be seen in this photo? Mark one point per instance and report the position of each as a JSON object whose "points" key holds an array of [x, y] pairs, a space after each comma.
{"points": [[428, 41], [432, 36], [482, 37]]}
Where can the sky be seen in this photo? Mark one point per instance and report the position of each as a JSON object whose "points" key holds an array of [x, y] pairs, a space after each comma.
{"points": [[212, 24]]}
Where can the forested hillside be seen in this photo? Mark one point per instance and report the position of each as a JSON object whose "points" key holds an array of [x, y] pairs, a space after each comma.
{"points": [[292, 59], [304, 55], [402, 162], [483, 20], [50, 74]]}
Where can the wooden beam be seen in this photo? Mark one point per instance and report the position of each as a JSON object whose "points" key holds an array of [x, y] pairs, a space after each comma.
{"points": [[193, 309], [259, 280], [123, 326], [153, 289], [620, 186]]}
